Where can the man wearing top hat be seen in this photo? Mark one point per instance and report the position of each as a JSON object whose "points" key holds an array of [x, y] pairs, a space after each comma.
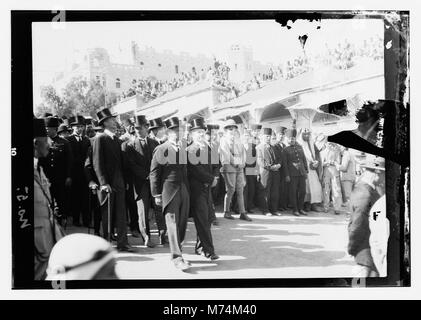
{"points": [[268, 173], [44, 235], [58, 167], [169, 187], [252, 170], [80, 193], [297, 171], [157, 130], [369, 188], [139, 157], [202, 178], [109, 168]]}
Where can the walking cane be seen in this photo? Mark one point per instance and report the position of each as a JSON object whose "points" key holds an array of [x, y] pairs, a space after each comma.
{"points": [[90, 211], [109, 216]]}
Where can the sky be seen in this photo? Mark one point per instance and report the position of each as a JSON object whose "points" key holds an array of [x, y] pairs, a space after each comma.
{"points": [[55, 47]]}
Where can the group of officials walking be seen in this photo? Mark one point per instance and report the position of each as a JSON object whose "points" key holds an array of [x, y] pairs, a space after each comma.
{"points": [[178, 170]]}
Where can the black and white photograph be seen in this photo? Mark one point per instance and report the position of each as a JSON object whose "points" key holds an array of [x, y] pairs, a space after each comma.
{"points": [[182, 147]]}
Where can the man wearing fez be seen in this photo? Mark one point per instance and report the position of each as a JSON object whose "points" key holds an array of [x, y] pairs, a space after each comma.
{"points": [[297, 171], [369, 188], [109, 168], [157, 130], [314, 193], [44, 235], [250, 194], [169, 187], [58, 168], [280, 152], [211, 139], [233, 159], [79, 195], [202, 177], [268, 174], [139, 156]]}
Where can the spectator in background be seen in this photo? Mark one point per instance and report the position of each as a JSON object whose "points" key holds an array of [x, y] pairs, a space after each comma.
{"points": [[347, 169]]}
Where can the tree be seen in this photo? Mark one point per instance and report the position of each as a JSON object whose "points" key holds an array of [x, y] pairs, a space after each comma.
{"points": [[52, 101], [41, 109]]}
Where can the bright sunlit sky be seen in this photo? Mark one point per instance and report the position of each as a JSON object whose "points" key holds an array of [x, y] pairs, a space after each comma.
{"points": [[54, 48]]}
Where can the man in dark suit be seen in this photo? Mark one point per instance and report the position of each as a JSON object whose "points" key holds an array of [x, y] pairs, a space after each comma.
{"points": [[80, 193], [109, 168], [283, 185], [139, 156], [251, 171], [297, 172], [58, 168], [202, 178], [169, 187], [157, 131], [268, 174]]}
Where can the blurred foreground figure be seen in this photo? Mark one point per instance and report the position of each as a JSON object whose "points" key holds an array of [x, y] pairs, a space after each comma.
{"points": [[369, 188], [82, 257]]}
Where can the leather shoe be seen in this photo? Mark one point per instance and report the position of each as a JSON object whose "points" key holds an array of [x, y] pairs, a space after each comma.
{"points": [[126, 248], [180, 264], [228, 215], [296, 213], [245, 217], [303, 213], [215, 223], [212, 256], [136, 234]]}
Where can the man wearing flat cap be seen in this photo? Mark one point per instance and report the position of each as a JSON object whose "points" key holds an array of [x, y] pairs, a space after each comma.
{"points": [[80, 192], [169, 187], [369, 188], [202, 178], [58, 168], [44, 222], [109, 166], [297, 170]]}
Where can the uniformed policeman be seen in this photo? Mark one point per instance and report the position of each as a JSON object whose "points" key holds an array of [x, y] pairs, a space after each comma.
{"points": [[297, 172], [58, 168]]}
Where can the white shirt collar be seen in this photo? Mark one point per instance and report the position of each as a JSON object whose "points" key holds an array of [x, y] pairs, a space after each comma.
{"points": [[35, 162], [109, 133]]}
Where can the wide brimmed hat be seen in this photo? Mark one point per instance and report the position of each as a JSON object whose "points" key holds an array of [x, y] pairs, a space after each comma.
{"points": [[255, 126], [267, 131], [198, 123], [104, 114], [173, 122], [52, 122], [156, 123], [39, 128], [78, 120], [291, 133], [140, 120], [374, 163], [63, 128], [230, 123]]}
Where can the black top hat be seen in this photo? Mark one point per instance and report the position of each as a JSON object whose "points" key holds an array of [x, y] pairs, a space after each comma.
{"points": [[291, 133], [156, 123], [267, 131], [256, 127], [104, 114], [78, 120], [173, 122], [63, 128], [39, 128], [52, 122], [140, 121], [198, 123]]}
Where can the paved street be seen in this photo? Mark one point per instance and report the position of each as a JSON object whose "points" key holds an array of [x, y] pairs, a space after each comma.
{"points": [[268, 247]]}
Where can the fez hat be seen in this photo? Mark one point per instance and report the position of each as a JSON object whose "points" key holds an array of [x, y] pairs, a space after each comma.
{"points": [[230, 123], [374, 163], [267, 131], [173, 122], [78, 120], [52, 122], [140, 121], [255, 126], [62, 128], [291, 133], [39, 128], [104, 114], [198, 123], [156, 123]]}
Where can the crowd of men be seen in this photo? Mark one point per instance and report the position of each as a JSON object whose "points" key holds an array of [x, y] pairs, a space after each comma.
{"points": [[114, 175]]}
